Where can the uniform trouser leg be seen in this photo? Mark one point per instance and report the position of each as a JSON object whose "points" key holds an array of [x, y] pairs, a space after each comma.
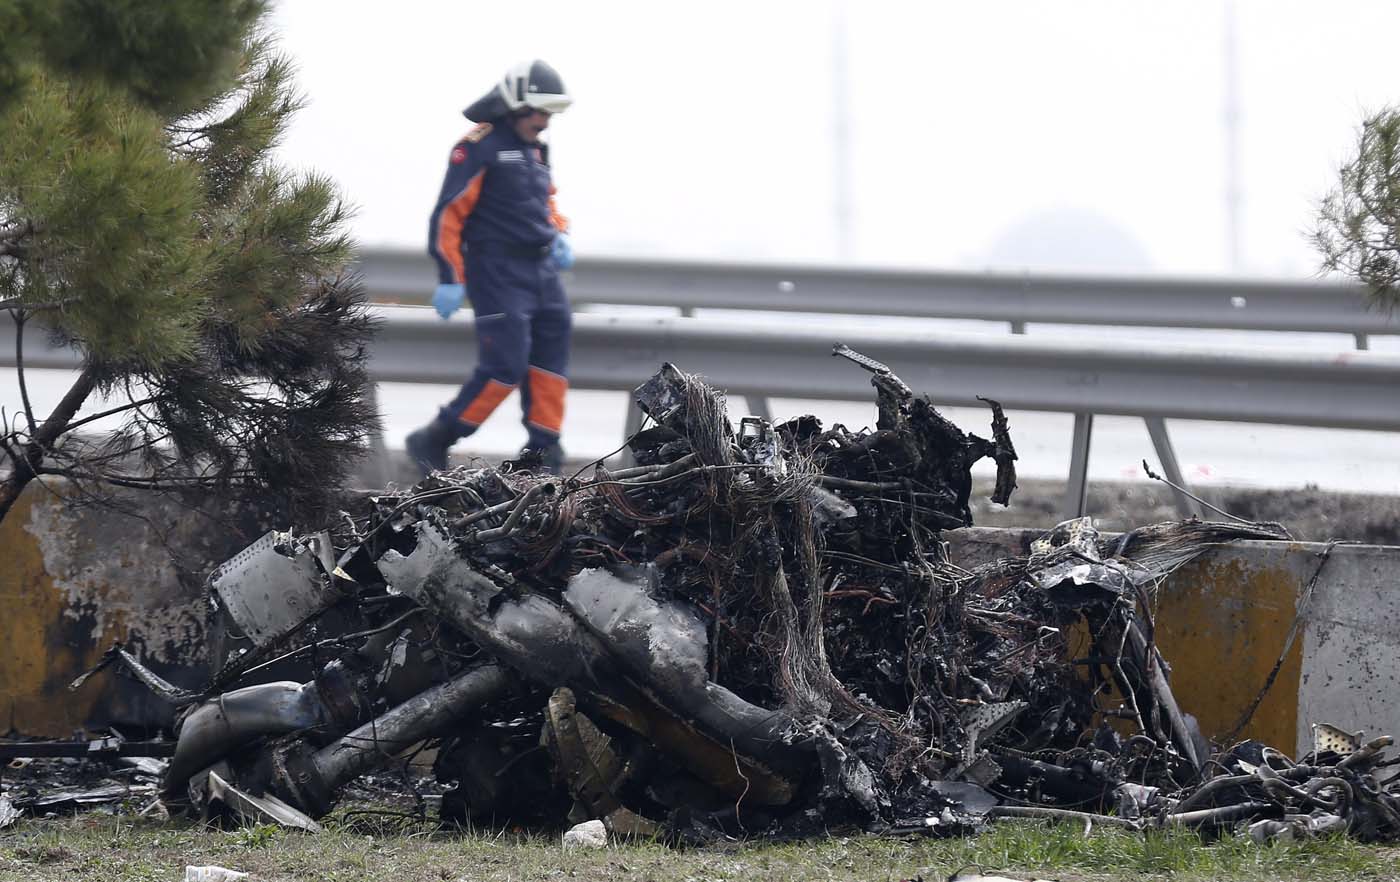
{"points": [[546, 377], [504, 306]]}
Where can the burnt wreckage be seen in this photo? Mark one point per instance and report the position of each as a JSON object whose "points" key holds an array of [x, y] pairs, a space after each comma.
{"points": [[749, 632]]}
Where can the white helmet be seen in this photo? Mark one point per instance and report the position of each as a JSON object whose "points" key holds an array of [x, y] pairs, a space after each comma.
{"points": [[532, 84]]}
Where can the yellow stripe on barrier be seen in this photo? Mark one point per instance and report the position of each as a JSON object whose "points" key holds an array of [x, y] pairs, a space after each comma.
{"points": [[1222, 625]]}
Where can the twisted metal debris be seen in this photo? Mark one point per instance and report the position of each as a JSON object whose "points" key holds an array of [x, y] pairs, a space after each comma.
{"points": [[752, 631]]}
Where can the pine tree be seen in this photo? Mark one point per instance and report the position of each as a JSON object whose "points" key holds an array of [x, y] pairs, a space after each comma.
{"points": [[143, 223], [1358, 229]]}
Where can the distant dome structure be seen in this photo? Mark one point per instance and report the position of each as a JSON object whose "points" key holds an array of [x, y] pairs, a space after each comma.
{"points": [[1068, 239]]}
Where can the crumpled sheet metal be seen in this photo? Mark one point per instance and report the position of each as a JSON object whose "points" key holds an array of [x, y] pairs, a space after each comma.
{"points": [[1333, 739], [219, 795], [8, 813], [276, 584]]}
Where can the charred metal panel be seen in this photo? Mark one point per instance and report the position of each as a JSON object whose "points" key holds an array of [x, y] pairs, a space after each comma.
{"points": [[276, 584]]}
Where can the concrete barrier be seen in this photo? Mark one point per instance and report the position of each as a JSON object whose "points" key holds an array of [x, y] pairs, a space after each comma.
{"points": [[76, 578], [1223, 622]]}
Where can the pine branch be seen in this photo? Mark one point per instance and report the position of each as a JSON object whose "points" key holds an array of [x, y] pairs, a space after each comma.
{"points": [[11, 451], [17, 303], [121, 408], [212, 283], [97, 459], [138, 482], [32, 457], [19, 372]]}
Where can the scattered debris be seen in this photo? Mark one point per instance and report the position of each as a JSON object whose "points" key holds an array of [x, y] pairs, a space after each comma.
{"points": [[751, 632], [75, 776], [248, 809], [109, 747], [212, 874], [74, 799]]}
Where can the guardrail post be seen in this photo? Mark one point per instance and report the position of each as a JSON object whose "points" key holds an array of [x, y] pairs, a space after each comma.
{"points": [[632, 426], [1363, 341], [1166, 456], [1077, 488], [759, 407], [378, 464]]}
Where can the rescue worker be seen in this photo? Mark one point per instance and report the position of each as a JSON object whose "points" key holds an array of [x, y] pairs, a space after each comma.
{"points": [[498, 240]]}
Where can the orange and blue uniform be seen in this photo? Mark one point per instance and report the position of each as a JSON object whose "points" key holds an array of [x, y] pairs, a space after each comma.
{"points": [[491, 230]]}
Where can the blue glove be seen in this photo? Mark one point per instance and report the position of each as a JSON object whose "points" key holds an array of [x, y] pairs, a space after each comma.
{"points": [[561, 252], [448, 298]]}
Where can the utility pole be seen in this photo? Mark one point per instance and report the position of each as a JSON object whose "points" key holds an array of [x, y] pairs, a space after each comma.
{"points": [[1233, 190], [841, 133]]}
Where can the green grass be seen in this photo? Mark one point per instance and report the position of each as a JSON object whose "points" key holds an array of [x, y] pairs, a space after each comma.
{"points": [[369, 848]]}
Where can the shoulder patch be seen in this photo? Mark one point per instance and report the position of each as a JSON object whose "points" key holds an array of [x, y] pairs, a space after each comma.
{"points": [[476, 134]]}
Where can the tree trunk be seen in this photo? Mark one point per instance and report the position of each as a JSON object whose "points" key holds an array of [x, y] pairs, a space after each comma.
{"points": [[32, 455]]}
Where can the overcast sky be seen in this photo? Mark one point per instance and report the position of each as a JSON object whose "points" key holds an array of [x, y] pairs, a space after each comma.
{"points": [[1072, 135]]}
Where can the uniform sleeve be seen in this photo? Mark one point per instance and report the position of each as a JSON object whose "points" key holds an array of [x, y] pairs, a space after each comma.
{"points": [[560, 222], [461, 187]]}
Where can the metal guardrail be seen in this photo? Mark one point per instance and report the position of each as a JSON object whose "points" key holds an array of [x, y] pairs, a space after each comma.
{"points": [[1232, 304], [1346, 389], [1014, 298]]}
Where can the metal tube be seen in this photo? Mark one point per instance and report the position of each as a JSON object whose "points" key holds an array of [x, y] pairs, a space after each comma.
{"points": [[1365, 754], [1224, 815], [652, 472], [420, 717], [1053, 814], [513, 519], [498, 508], [634, 472], [222, 724], [1210, 787], [1157, 680]]}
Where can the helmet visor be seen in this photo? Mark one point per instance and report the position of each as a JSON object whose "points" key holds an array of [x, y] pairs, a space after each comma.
{"points": [[548, 103]]}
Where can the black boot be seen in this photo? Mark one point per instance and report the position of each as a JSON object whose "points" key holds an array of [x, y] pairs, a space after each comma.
{"points": [[545, 458], [427, 447]]}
